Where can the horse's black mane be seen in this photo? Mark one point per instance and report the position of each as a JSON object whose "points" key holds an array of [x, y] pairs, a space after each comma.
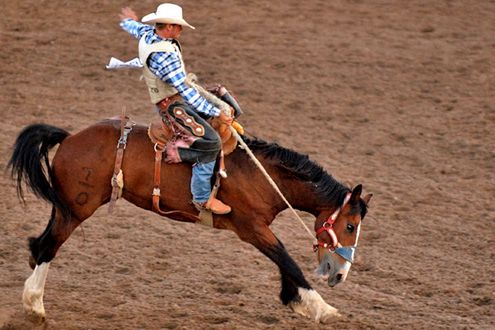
{"points": [[327, 188]]}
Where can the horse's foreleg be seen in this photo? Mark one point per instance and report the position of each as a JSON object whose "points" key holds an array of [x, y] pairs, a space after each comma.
{"points": [[296, 291], [43, 250]]}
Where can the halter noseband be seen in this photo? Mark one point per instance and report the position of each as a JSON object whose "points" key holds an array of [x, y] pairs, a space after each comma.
{"points": [[346, 252]]}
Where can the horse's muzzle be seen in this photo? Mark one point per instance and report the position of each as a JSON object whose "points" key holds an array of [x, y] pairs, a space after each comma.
{"points": [[333, 281], [332, 271]]}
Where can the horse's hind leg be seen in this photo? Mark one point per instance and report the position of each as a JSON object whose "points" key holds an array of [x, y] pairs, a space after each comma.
{"points": [[34, 287], [43, 250]]}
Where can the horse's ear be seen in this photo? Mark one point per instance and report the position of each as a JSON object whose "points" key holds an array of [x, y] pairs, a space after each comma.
{"points": [[367, 198], [356, 194]]}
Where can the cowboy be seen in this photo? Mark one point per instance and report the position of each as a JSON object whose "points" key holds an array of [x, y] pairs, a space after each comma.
{"points": [[165, 77]]}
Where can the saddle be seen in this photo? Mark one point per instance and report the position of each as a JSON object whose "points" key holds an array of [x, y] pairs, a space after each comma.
{"points": [[168, 135]]}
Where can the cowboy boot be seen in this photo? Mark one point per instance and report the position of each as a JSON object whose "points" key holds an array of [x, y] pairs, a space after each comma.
{"points": [[213, 205], [216, 206]]}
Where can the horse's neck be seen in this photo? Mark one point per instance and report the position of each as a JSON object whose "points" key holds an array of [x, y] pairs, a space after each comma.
{"points": [[301, 195]]}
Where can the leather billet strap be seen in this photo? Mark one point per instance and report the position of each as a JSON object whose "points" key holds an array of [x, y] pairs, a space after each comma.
{"points": [[157, 177], [125, 129]]}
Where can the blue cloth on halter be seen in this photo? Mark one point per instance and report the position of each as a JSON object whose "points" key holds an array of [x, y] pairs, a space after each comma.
{"points": [[346, 252]]}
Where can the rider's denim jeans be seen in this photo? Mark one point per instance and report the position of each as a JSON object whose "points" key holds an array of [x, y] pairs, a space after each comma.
{"points": [[201, 181]]}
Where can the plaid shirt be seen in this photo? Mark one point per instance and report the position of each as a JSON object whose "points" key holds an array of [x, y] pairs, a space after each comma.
{"points": [[167, 66]]}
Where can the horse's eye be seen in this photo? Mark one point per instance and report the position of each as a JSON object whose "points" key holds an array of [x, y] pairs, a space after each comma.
{"points": [[350, 228]]}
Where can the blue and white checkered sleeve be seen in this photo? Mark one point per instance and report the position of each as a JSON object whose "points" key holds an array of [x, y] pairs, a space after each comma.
{"points": [[136, 29], [168, 67]]}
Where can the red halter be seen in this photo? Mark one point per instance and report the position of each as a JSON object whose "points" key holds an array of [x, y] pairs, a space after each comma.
{"points": [[328, 227]]}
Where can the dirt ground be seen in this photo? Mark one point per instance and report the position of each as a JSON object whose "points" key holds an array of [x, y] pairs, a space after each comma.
{"points": [[396, 95]]}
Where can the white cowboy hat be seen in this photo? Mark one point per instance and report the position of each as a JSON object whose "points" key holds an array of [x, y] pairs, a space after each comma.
{"points": [[167, 13]]}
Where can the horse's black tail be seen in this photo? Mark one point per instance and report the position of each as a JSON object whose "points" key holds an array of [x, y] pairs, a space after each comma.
{"points": [[30, 152]]}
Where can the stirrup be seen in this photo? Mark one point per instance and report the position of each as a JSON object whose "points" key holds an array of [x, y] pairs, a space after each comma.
{"points": [[200, 206], [205, 216]]}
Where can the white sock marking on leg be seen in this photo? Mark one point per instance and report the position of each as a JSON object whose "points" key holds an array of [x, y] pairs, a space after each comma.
{"points": [[312, 305], [34, 288]]}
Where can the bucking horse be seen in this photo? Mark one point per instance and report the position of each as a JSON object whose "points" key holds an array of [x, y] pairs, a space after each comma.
{"points": [[77, 182]]}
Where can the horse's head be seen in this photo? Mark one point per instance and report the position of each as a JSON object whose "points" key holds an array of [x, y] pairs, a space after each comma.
{"points": [[337, 232]]}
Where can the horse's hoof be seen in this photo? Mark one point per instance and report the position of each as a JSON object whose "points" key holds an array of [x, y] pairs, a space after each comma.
{"points": [[35, 317], [33, 306], [329, 314], [300, 309], [312, 305]]}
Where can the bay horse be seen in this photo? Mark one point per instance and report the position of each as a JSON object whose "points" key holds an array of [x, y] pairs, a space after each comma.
{"points": [[77, 182]]}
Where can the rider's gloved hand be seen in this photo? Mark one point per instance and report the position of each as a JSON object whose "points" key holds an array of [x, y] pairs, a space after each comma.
{"points": [[238, 127], [126, 13], [225, 118]]}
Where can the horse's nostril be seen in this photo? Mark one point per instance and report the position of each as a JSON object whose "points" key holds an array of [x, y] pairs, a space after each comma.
{"points": [[339, 277]]}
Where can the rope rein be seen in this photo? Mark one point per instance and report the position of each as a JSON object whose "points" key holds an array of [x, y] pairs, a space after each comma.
{"points": [[270, 180]]}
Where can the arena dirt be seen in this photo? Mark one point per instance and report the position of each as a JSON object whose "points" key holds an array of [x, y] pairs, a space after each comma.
{"points": [[396, 95]]}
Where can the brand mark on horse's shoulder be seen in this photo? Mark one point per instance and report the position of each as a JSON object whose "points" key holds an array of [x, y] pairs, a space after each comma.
{"points": [[88, 171], [82, 198]]}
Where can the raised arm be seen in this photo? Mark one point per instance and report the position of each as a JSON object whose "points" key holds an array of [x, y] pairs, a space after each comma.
{"points": [[126, 13], [129, 23]]}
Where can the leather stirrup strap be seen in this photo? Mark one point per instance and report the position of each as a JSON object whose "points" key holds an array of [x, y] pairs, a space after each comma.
{"points": [[178, 215], [214, 191], [221, 173]]}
